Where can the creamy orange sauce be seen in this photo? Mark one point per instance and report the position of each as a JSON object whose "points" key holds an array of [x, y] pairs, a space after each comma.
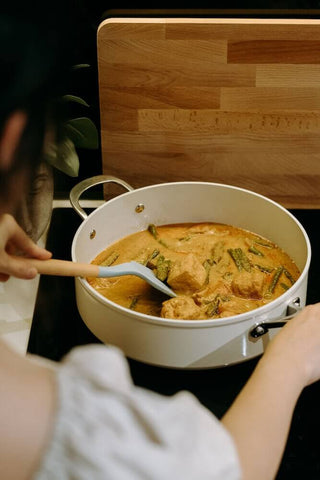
{"points": [[216, 270]]}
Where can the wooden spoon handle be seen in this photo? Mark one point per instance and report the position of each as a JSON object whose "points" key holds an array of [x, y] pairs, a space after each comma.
{"points": [[64, 268]]}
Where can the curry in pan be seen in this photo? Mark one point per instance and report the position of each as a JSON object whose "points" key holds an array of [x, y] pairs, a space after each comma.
{"points": [[216, 270]]}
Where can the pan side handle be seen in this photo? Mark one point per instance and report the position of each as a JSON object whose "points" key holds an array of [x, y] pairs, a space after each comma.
{"points": [[263, 327], [81, 187]]}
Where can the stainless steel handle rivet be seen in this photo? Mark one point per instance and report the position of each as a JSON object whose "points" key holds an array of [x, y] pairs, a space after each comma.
{"points": [[259, 330], [139, 208], [92, 234]]}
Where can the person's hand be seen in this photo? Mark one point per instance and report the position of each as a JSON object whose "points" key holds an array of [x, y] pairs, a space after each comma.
{"points": [[14, 246], [298, 344], [259, 419]]}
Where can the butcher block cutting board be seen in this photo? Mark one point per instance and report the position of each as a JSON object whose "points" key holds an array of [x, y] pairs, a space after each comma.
{"points": [[233, 101]]}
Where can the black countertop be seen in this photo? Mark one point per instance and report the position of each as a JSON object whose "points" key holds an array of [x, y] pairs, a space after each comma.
{"points": [[57, 327]]}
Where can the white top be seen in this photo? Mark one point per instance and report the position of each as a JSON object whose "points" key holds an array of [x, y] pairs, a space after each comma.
{"points": [[107, 428]]}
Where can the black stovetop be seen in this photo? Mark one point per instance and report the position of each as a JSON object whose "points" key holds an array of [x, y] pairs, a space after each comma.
{"points": [[57, 327]]}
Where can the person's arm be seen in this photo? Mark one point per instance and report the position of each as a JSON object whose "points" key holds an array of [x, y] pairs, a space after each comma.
{"points": [[26, 389], [260, 417], [12, 240], [27, 405]]}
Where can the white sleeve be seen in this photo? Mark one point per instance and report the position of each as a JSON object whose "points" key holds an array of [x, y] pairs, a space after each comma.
{"points": [[107, 428]]}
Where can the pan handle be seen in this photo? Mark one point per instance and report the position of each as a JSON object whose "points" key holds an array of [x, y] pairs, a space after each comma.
{"points": [[81, 187], [263, 327]]}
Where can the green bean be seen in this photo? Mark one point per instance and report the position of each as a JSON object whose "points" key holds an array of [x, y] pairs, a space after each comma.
{"points": [[227, 276], [240, 259], [162, 271], [289, 276], [264, 244], [160, 259], [110, 259], [264, 268], [185, 239], [213, 308], [275, 279], [225, 298], [234, 254], [163, 243], [133, 303], [284, 286], [154, 254], [244, 260], [163, 267], [153, 230], [255, 251], [207, 265], [151, 257]]}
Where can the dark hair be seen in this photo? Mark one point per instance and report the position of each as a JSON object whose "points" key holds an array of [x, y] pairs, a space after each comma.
{"points": [[35, 56]]}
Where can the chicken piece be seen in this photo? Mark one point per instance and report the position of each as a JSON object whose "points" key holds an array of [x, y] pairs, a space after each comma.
{"points": [[233, 307], [187, 275], [209, 294], [236, 307], [181, 307], [248, 285]]}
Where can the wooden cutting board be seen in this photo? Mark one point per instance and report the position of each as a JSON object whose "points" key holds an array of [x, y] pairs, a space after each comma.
{"points": [[233, 101]]}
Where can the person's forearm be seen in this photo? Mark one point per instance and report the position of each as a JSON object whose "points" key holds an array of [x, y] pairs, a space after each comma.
{"points": [[27, 405], [259, 419]]}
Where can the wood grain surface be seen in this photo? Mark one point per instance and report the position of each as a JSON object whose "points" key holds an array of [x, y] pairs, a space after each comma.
{"points": [[233, 101]]}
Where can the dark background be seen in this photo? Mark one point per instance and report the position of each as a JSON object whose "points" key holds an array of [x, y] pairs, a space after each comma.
{"points": [[89, 13]]}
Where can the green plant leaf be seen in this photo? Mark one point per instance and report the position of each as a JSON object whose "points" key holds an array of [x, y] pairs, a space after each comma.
{"points": [[64, 157], [75, 99], [80, 65], [83, 132]]}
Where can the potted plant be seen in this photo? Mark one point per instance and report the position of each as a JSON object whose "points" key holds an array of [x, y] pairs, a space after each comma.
{"points": [[76, 132]]}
